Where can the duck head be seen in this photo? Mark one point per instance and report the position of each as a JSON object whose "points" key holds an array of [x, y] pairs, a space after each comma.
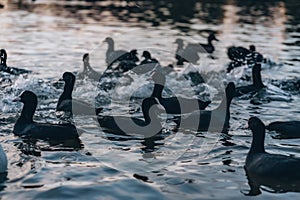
{"points": [[179, 41], [212, 37], [29, 99], [146, 55], [26, 97], [68, 77], [3, 57], [252, 48], [86, 58], [255, 123], [108, 40], [258, 131]]}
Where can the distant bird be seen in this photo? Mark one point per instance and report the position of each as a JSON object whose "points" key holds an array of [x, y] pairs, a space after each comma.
{"points": [[216, 120], [149, 126], [88, 71], [146, 65], [242, 56], [26, 127], [255, 86], [127, 62], [148, 59], [285, 129], [7, 69], [71, 106], [113, 55], [204, 48], [276, 171], [175, 105], [182, 54]]}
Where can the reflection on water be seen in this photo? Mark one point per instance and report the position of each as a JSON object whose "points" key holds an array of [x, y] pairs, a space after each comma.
{"points": [[49, 37]]}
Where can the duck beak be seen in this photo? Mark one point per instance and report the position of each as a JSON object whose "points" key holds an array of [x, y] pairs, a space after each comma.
{"points": [[17, 99], [217, 39]]}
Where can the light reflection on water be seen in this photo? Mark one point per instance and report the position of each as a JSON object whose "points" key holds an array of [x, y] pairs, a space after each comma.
{"points": [[50, 37]]}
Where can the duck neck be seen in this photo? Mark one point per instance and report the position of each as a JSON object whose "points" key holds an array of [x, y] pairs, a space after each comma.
{"points": [[179, 47], [209, 41], [258, 140], [225, 106], [3, 60], [150, 115], [67, 93], [257, 79], [157, 91], [111, 46], [86, 66], [28, 112], [146, 115]]}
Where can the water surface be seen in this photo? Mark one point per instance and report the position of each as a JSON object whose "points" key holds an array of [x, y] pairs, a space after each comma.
{"points": [[50, 37]]}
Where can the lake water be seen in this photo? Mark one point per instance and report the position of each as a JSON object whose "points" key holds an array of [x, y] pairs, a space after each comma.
{"points": [[49, 37]]}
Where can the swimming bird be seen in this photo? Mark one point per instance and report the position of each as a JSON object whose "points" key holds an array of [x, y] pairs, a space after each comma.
{"points": [[216, 120], [242, 56], [175, 105], [88, 71], [7, 69], [26, 127], [237, 53], [146, 65], [279, 172], [67, 104], [148, 59], [286, 129], [204, 48], [149, 126], [255, 86], [113, 55], [3, 161], [188, 54]]}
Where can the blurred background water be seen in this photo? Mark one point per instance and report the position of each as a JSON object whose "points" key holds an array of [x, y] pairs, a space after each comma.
{"points": [[49, 37]]}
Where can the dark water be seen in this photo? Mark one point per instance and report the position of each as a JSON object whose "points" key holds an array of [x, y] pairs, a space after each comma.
{"points": [[50, 37]]}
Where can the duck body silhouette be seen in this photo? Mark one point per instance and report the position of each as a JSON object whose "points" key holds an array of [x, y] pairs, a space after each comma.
{"points": [[216, 120], [204, 48], [122, 125], [7, 69], [146, 65], [255, 86], [286, 129], [188, 54], [88, 71], [175, 105], [69, 105], [113, 55], [26, 127], [242, 56], [274, 170]]}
